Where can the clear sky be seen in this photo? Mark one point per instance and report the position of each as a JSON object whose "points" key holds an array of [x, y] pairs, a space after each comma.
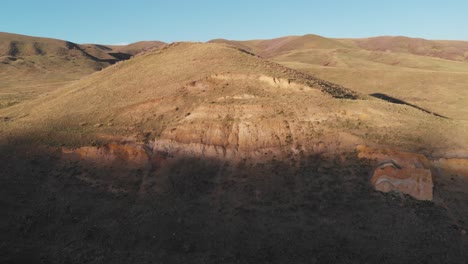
{"points": [[119, 21]]}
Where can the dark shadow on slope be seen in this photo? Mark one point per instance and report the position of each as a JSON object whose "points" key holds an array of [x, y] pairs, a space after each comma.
{"points": [[14, 48], [338, 91], [38, 49], [245, 51], [309, 210], [119, 56], [394, 100], [102, 47]]}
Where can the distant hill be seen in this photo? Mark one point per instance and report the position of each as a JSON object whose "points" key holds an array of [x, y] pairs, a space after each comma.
{"points": [[15, 46], [269, 48], [137, 47], [30, 66], [432, 73], [450, 50], [274, 47]]}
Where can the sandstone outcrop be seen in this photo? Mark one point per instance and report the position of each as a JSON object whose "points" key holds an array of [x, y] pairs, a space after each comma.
{"points": [[128, 155], [403, 172], [457, 166]]}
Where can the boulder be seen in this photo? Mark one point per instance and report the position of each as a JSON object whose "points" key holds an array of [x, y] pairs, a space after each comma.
{"points": [[403, 172], [413, 181]]}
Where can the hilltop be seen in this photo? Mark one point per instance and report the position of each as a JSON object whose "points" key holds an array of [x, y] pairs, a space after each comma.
{"points": [[149, 93], [271, 48], [148, 89], [137, 47]]}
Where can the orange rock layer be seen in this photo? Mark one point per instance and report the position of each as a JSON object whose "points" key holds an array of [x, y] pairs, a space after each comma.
{"points": [[403, 172]]}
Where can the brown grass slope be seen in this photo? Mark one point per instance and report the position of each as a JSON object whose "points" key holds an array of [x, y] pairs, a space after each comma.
{"points": [[274, 47], [17, 46], [426, 73], [137, 47], [157, 75], [175, 93], [450, 50], [247, 161], [31, 66]]}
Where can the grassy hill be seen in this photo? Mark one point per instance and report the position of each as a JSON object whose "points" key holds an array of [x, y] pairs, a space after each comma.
{"points": [[31, 66], [137, 47], [149, 94], [450, 50], [207, 153], [275, 47], [431, 74]]}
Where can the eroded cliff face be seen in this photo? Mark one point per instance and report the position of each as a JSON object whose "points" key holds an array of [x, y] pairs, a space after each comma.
{"points": [[394, 171], [112, 154]]}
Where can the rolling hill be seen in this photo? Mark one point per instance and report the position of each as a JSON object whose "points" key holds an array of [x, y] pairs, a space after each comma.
{"points": [[208, 153], [137, 47], [450, 50], [273, 47], [431, 74], [31, 66]]}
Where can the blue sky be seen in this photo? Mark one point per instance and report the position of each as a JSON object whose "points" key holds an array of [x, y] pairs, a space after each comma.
{"points": [[118, 21]]}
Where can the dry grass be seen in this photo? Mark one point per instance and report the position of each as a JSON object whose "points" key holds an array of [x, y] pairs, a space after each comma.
{"points": [[32, 66], [137, 47], [191, 92], [429, 74], [451, 50], [390, 65], [214, 99]]}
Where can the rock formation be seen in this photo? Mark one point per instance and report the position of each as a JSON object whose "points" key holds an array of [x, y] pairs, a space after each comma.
{"points": [[457, 166], [403, 172]]}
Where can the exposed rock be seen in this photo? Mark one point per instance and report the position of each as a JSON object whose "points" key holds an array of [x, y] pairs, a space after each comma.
{"points": [[455, 166], [403, 172], [129, 155], [415, 182]]}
